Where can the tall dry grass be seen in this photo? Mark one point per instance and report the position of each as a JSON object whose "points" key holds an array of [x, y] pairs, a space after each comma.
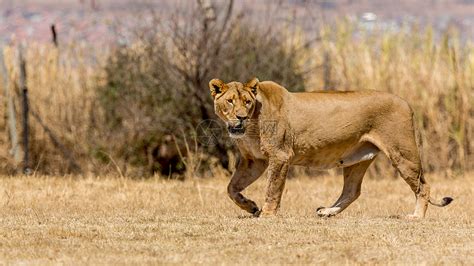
{"points": [[61, 86], [435, 74]]}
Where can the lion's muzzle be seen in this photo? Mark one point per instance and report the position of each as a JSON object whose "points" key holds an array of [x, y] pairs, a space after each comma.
{"points": [[236, 128]]}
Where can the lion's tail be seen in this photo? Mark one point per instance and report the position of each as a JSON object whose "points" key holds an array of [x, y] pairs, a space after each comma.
{"points": [[441, 203]]}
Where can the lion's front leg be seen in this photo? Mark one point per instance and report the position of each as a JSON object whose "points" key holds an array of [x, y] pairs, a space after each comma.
{"points": [[277, 172], [246, 173]]}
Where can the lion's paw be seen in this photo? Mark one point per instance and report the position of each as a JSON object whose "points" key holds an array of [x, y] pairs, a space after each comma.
{"points": [[327, 212], [266, 214]]}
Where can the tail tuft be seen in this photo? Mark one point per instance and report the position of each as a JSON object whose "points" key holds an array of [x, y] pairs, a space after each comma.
{"points": [[445, 201]]}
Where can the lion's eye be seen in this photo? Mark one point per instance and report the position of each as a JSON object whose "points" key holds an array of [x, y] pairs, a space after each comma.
{"points": [[231, 101], [248, 102]]}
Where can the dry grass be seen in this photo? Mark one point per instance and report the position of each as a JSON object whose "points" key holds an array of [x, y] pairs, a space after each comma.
{"points": [[109, 220]]}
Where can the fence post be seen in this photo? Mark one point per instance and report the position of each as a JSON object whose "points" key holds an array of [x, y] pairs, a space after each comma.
{"points": [[54, 35], [15, 150], [25, 109]]}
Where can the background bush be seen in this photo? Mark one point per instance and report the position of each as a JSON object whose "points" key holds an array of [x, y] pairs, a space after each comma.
{"points": [[157, 87]]}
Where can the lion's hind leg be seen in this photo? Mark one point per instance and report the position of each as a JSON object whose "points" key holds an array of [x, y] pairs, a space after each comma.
{"points": [[412, 173], [353, 176], [405, 154]]}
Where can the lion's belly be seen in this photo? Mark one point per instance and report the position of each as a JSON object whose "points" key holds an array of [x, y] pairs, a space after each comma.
{"points": [[322, 159], [342, 154], [323, 155]]}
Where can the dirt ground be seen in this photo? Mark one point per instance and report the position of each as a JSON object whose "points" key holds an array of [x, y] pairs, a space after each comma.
{"points": [[46, 220]]}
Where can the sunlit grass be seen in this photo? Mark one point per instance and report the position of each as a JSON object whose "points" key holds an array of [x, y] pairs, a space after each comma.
{"points": [[100, 220]]}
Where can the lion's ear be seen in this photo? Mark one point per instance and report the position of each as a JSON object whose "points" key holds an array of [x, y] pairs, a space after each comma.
{"points": [[253, 85], [217, 86]]}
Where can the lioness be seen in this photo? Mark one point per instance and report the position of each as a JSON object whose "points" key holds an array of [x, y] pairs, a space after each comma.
{"points": [[274, 128]]}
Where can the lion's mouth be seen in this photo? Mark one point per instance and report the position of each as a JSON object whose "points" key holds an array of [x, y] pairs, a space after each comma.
{"points": [[237, 130]]}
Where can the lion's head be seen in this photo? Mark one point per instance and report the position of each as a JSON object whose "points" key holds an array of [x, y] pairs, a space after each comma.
{"points": [[234, 103]]}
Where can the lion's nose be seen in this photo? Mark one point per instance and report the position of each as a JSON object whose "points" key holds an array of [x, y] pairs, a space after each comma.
{"points": [[241, 117]]}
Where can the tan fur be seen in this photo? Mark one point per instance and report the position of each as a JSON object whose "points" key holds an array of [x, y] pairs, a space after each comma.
{"points": [[317, 129]]}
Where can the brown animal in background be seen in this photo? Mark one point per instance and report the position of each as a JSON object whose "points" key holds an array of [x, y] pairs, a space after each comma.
{"points": [[274, 128], [168, 154]]}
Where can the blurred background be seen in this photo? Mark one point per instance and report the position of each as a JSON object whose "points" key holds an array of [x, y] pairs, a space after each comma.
{"points": [[97, 87]]}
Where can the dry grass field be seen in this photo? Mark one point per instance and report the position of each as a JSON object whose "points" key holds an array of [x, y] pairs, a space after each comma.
{"points": [[68, 220]]}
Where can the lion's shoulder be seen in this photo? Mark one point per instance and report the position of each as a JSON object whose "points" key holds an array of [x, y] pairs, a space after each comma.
{"points": [[271, 93]]}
